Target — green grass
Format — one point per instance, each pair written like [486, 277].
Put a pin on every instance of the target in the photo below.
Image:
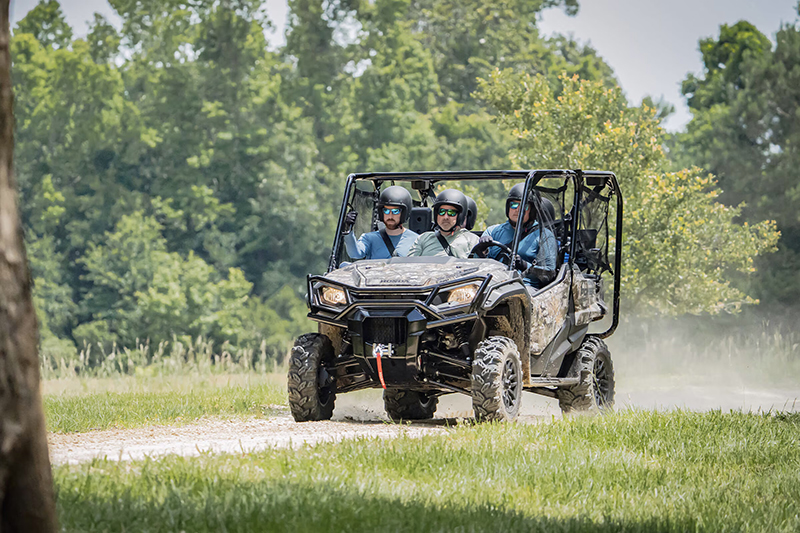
[631, 471]
[81, 405]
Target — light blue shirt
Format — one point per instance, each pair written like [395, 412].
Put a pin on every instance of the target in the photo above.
[371, 245]
[529, 247]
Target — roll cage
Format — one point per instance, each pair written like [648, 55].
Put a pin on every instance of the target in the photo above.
[588, 186]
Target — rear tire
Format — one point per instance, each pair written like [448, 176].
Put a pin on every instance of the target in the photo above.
[409, 405]
[595, 392]
[311, 388]
[496, 380]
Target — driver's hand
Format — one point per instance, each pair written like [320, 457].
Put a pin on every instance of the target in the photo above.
[520, 263]
[485, 238]
[349, 221]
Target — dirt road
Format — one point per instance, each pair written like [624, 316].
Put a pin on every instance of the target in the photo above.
[361, 415]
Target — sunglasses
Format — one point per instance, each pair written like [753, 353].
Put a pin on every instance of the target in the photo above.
[515, 205]
[391, 210]
[448, 212]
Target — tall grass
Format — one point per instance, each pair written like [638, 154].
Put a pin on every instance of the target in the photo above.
[255, 396]
[182, 355]
[763, 349]
[631, 471]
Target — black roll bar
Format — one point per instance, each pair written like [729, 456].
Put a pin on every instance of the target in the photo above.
[532, 178]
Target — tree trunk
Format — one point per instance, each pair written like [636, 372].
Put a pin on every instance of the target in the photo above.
[26, 483]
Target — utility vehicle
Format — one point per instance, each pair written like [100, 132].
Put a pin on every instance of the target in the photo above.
[423, 327]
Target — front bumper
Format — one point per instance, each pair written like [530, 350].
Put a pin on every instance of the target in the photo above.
[389, 322]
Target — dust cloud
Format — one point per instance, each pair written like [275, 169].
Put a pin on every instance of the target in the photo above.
[741, 362]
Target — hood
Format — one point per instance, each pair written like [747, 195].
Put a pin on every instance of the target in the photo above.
[416, 271]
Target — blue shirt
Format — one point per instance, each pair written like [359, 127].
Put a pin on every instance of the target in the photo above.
[371, 245]
[528, 247]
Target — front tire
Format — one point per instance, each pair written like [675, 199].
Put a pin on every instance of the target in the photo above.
[409, 405]
[595, 392]
[311, 388]
[496, 380]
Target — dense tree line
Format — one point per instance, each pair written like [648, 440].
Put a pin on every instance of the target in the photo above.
[745, 130]
[179, 177]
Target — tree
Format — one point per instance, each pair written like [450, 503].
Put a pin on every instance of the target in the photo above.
[139, 290]
[26, 485]
[47, 24]
[680, 245]
[744, 130]
[468, 38]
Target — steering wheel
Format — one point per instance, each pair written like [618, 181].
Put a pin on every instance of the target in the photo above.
[479, 250]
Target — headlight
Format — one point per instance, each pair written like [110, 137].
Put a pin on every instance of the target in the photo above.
[462, 295]
[333, 296]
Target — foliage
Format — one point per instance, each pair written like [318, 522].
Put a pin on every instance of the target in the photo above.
[631, 471]
[680, 245]
[502, 34]
[179, 179]
[744, 130]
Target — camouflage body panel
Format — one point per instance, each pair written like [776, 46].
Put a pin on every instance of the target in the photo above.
[416, 272]
[588, 305]
[548, 314]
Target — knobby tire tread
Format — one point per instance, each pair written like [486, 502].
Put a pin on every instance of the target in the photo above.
[580, 398]
[308, 353]
[487, 386]
[408, 405]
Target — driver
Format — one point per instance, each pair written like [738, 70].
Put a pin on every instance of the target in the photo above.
[450, 236]
[532, 249]
[394, 206]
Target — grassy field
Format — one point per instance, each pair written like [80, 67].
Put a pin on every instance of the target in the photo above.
[74, 405]
[631, 471]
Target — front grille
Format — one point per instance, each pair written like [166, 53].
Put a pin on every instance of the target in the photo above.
[385, 330]
[391, 296]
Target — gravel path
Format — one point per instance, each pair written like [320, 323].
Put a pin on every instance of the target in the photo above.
[358, 417]
[361, 416]
[215, 435]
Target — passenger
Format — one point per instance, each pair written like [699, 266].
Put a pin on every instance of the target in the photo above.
[472, 213]
[532, 249]
[450, 236]
[394, 206]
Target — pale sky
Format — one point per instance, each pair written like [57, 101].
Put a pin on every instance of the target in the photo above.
[650, 44]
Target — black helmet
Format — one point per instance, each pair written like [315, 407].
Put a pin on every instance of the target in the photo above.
[548, 212]
[515, 195]
[454, 198]
[472, 213]
[395, 196]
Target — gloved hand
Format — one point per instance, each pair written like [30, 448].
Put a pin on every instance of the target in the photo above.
[520, 264]
[486, 238]
[349, 221]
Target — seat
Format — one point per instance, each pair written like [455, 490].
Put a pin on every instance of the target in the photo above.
[420, 219]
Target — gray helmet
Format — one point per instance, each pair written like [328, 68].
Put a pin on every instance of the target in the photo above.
[472, 213]
[515, 195]
[456, 199]
[395, 196]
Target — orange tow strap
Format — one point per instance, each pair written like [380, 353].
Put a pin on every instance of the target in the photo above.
[380, 366]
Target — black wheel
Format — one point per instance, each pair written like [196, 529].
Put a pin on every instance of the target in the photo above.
[496, 380]
[311, 388]
[409, 405]
[595, 392]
